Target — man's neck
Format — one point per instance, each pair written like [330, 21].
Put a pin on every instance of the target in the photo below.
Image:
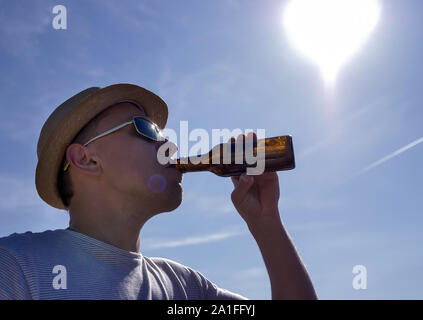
[119, 239]
[119, 228]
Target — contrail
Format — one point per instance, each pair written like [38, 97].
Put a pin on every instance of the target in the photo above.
[388, 157]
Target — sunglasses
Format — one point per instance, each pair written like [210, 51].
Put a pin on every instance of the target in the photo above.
[143, 126]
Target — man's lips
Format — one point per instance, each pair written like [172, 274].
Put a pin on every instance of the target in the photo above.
[168, 165]
[179, 173]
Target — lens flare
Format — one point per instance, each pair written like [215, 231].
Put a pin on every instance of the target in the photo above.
[330, 31]
[156, 183]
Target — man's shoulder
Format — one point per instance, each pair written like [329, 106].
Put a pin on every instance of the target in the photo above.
[164, 263]
[201, 287]
[29, 241]
[171, 267]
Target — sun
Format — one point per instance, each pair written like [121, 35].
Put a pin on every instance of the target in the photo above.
[330, 31]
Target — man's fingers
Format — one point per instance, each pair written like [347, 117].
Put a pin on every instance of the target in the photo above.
[235, 179]
[242, 138]
[244, 184]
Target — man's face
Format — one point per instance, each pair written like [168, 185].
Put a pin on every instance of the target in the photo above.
[129, 163]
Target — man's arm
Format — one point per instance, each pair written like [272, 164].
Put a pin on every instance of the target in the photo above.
[288, 276]
[256, 200]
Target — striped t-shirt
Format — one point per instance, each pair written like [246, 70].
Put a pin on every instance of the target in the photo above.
[65, 264]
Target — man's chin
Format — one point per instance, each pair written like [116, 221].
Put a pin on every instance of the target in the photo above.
[173, 198]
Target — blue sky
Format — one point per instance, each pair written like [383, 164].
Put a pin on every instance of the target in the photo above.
[229, 64]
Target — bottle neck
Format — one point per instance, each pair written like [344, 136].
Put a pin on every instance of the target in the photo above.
[192, 164]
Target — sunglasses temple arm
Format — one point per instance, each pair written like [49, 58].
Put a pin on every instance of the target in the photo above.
[108, 132]
[100, 136]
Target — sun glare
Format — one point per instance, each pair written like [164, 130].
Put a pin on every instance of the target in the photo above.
[330, 31]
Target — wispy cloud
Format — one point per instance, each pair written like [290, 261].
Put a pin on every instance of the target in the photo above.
[310, 202]
[17, 193]
[137, 15]
[314, 226]
[215, 81]
[25, 127]
[201, 201]
[249, 273]
[370, 119]
[340, 127]
[22, 210]
[20, 25]
[207, 238]
[234, 4]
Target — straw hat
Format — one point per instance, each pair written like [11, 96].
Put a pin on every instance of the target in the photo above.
[70, 117]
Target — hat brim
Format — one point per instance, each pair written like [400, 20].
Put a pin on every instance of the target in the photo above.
[71, 118]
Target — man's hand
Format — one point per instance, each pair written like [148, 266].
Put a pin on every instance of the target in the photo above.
[256, 200]
[256, 196]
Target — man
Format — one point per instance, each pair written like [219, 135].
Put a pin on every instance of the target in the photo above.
[97, 159]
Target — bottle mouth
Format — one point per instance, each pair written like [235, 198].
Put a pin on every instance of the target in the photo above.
[172, 162]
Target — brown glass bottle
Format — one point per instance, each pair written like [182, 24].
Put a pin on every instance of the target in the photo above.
[276, 152]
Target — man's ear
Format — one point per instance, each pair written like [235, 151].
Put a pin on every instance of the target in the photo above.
[81, 159]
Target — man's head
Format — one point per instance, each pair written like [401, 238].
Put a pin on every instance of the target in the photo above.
[120, 169]
[122, 165]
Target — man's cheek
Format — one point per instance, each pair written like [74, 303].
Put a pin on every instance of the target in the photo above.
[156, 183]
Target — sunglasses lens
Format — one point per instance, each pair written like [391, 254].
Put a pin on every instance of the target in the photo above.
[148, 129]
